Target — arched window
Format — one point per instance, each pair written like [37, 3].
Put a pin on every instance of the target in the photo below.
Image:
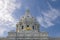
[27, 16]
[27, 25]
[22, 27]
[33, 27]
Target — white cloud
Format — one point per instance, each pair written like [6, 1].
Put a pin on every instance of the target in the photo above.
[7, 7]
[48, 17]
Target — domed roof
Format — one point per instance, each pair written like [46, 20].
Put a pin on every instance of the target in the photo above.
[28, 22]
[27, 17]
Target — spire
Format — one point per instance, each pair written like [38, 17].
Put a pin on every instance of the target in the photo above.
[27, 12]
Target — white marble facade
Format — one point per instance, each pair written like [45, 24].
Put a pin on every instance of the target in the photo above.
[27, 29]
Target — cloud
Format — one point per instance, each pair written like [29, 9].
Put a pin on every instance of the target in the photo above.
[49, 16]
[7, 7]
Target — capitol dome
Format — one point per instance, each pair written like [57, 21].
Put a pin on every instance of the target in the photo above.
[28, 22]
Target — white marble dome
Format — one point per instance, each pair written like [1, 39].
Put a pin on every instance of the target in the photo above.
[28, 20]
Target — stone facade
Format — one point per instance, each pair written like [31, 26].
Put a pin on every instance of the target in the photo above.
[28, 35]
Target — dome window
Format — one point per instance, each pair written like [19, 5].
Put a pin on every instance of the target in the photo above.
[22, 27]
[33, 27]
[27, 16]
[27, 25]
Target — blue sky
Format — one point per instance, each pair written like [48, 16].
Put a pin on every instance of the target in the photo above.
[47, 13]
